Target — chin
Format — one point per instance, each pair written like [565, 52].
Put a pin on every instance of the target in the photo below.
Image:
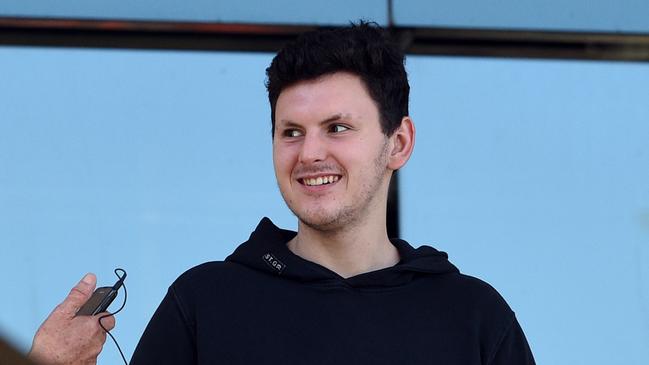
[326, 221]
[320, 224]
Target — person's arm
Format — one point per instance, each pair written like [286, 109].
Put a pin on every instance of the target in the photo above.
[513, 348]
[170, 336]
[64, 339]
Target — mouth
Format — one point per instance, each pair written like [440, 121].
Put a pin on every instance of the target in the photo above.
[319, 180]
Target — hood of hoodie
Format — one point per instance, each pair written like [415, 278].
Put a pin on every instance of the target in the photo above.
[266, 251]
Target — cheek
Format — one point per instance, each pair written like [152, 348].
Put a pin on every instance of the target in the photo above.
[363, 161]
[283, 161]
[350, 157]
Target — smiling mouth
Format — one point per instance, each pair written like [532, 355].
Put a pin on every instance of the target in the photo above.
[320, 180]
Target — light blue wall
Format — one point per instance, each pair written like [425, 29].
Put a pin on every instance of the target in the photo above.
[150, 161]
[534, 176]
[549, 15]
[531, 174]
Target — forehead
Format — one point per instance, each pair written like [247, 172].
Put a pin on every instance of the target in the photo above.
[340, 93]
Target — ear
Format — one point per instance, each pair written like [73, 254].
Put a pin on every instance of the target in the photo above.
[402, 144]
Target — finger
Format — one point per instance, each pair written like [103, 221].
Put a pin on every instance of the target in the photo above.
[99, 335]
[78, 295]
[107, 320]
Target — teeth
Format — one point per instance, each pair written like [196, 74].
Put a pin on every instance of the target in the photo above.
[321, 180]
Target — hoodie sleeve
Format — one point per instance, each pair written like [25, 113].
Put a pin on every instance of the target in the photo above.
[169, 336]
[513, 348]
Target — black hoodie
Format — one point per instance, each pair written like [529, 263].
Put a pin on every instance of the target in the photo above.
[266, 305]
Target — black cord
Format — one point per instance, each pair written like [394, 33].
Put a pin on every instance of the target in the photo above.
[121, 281]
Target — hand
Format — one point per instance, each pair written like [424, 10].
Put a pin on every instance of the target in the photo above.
[64, 339]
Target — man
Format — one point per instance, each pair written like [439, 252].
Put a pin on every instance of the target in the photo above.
[337, 290]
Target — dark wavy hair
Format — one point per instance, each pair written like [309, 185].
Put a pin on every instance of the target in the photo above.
[363, 49]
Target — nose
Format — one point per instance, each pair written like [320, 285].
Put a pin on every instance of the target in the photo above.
[313, 149]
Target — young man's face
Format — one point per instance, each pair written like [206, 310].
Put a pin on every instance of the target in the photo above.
[330, 155]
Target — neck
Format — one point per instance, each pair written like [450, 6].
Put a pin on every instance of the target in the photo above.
[348, 251]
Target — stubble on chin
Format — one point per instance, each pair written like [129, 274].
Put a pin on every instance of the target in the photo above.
[334, 222]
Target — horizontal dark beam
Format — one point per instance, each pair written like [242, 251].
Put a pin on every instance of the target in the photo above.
[146, 35]
[528, 44]
[269, 38]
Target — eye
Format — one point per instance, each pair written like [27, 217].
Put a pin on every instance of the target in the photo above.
[337, 128]
[292, 133]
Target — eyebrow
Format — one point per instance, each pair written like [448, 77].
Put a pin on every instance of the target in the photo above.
[333, 118]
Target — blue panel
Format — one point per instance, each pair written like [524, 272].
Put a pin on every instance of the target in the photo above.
[534, 176]
[150, 161]
[556, 15]
[244, 11]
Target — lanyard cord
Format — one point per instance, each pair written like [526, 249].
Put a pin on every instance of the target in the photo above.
[119, 283]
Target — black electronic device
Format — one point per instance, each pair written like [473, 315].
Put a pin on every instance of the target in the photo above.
[101, 299]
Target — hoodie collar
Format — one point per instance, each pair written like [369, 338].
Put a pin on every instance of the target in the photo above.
[266, 251]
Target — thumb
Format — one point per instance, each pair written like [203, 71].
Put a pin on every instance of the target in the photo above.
[78, 295]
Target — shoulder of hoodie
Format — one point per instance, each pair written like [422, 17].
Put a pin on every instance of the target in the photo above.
[208, 275]
[471, 286]
[478, 300]
[466, 288]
